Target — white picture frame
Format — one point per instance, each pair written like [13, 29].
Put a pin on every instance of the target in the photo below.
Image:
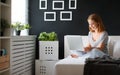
[41, 5]
[75, 4]
[50, 13]
[66, 12]
[57, 8]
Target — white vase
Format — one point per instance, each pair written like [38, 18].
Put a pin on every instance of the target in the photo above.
[13, 32]
[24, 32]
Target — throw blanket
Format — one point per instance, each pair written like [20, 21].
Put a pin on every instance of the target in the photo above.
[102, 66]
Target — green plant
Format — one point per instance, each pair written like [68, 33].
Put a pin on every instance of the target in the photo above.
[4, 24]
[26, 26]
[17, 26]
[43, 36]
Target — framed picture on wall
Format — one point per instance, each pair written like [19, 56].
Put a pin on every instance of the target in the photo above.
[58, 5]
[49, 16]
[72, 4]
[66, 15]
[42, 4]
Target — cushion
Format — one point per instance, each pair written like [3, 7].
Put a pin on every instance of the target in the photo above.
[110, 46]
[116, 50]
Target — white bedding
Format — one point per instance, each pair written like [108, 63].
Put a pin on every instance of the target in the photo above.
[69, 66]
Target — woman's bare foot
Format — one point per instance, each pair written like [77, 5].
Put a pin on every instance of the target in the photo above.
[74, 56]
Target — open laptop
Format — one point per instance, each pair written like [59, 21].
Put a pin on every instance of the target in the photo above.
[75, 42]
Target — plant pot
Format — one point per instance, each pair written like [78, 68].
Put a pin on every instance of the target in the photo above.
[18, 32]
[24, 32]
[13, 32]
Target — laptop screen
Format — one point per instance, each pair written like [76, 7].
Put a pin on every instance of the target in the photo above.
[75, 42]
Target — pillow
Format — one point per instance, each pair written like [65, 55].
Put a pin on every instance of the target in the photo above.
[110, 46]
[116, 50]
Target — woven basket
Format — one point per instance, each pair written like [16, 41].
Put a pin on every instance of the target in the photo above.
[4, 62]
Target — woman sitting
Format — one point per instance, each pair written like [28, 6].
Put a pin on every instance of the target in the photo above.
[98, 38]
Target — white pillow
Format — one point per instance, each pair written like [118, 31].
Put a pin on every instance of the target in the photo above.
[110, 46]
[116, 50]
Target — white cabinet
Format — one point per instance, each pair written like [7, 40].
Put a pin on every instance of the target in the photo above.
[48, 50]
[44, 67]
[48, 56]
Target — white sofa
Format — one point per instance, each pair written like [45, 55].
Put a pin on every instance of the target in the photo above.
[73, 66]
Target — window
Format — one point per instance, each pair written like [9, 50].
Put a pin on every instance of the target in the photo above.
[19, 11]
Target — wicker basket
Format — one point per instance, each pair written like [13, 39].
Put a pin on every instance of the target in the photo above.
[4, 62]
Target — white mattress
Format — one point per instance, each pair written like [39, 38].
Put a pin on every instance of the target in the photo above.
[69, 66]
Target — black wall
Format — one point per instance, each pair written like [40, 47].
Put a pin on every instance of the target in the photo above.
[107, 9]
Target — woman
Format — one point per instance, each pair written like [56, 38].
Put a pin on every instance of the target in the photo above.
[97, 36]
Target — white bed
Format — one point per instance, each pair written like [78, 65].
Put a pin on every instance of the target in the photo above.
[75, 66]
[69, 66]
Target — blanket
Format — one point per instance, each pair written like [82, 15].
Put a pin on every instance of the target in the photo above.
[102, 66]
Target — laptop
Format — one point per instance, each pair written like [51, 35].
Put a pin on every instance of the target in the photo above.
[75, 42]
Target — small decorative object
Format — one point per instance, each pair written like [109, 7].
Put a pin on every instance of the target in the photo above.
[17, 27]
[48, 46]
[25, 30]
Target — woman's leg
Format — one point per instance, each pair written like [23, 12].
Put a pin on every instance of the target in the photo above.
[93, 54]
[96, 53]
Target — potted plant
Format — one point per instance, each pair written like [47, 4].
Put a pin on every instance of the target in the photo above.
[43, 36]
[48, 46]
[17, 27]
[4, 25]
[25, 30]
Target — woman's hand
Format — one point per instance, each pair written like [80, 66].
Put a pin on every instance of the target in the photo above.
[74, 56]
[87, 49]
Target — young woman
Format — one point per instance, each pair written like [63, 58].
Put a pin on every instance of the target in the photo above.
[98, 38]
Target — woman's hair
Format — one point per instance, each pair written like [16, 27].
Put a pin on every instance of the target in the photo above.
[98, 20]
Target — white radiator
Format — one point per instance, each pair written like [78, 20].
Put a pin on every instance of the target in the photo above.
[22, 55]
